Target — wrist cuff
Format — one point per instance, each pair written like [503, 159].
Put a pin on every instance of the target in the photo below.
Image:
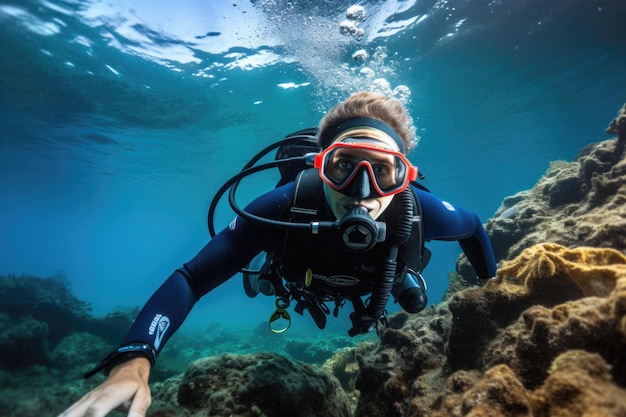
[121, 355]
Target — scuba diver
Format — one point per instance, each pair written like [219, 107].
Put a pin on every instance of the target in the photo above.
[346, 224]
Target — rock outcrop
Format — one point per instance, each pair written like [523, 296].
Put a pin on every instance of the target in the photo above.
[579, 203]
[38, 314]
[510, 348]
[255, 385]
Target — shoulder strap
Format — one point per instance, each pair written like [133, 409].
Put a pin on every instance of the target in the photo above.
[307, 199]
[307, 196]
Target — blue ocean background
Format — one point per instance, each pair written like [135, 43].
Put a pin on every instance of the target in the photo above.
[120, 120]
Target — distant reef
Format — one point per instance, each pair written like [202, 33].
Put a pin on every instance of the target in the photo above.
[36, 315]
[545, 337]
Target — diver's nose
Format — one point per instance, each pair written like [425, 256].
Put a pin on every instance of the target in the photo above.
[361, 185]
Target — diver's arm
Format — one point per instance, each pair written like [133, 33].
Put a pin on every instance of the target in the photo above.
[170, 304]
[443, 221]
[219, 260]
[479, 252]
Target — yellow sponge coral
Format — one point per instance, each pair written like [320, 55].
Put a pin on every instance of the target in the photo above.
[593, 270]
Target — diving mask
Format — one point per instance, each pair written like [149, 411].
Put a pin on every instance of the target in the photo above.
[361, 168]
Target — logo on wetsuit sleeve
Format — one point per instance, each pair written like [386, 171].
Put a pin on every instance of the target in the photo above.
[160, 324]
[448, 206]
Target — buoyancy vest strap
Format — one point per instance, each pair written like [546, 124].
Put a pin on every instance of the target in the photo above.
[307, 199]
[307, 196]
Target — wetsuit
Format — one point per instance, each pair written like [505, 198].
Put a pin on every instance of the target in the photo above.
[333, 268]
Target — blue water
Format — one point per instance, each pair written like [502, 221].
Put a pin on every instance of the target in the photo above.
[120, 120]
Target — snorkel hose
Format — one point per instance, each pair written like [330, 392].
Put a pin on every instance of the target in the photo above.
[399, 225]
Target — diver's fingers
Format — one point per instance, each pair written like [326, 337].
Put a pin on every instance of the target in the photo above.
[92, 404]
[100, 401]
[126, 388]
[76, 410]
[107, 402]
[140, 402]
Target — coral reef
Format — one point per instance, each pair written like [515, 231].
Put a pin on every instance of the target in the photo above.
[315, 353]
[344, 366]
[500, 350]
[552, 261]
[543, 275]
[41, 313]
[593, 323]
[393, 373]
[22, 341]
[579, 384]
[618, 125]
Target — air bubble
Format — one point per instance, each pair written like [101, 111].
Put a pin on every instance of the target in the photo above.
[360, 56]
[367, 72]
[347, 27]
[357, 13]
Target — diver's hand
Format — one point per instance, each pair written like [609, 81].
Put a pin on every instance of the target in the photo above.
[125, 389]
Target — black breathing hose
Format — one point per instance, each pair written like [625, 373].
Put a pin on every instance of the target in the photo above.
[251, 168]
[399, 225]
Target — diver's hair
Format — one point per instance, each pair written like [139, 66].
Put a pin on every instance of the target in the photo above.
[373, 105]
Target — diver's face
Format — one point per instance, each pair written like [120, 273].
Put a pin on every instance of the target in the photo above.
[341, 203]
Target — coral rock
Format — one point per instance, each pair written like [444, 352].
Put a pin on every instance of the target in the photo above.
[497, 393]
[540, 335]
[401, 369]
[22, 342]
[618, 125]
[507, 347]
[535, 310]
[593, 324]
[262, 384]
[579, 385]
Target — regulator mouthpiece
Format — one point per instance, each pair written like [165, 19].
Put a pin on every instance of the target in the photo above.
[359, 231]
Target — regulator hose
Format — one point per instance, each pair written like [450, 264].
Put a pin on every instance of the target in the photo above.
[399, 221]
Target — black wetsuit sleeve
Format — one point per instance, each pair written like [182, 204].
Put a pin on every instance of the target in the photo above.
[219, 260]
[444, 221]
